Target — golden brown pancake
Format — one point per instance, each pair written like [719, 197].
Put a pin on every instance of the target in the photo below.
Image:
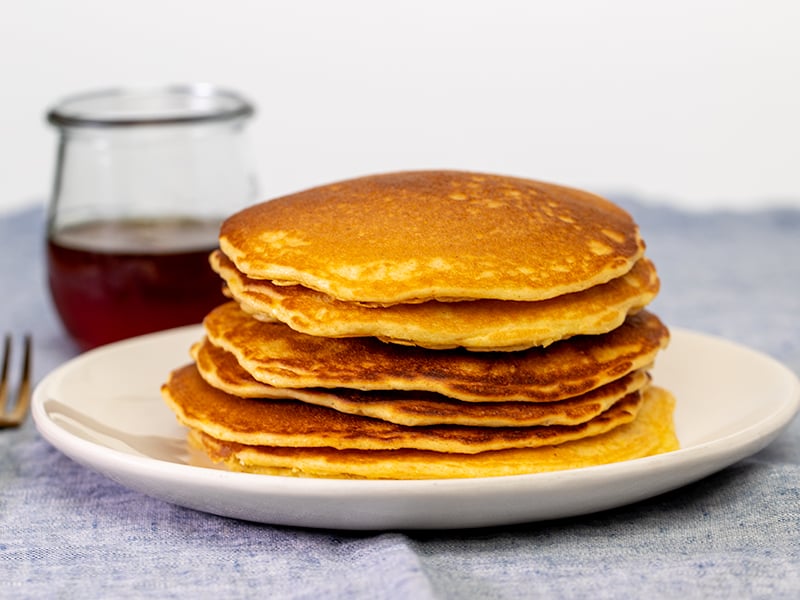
[279, 356]
[477, 325]
[264, 422]
[652, 432]
[414, 236]
[220, 370]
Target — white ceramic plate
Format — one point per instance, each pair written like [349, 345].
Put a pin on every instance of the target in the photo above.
[104, 410]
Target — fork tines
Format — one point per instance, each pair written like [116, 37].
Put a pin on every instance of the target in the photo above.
[13, 413]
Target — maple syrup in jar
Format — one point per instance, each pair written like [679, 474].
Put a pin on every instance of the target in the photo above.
[111, 280]
[143, 180]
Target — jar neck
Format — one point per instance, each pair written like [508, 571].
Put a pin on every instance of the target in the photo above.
[135, 108]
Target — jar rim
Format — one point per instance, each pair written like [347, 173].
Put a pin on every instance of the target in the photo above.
[167, 105]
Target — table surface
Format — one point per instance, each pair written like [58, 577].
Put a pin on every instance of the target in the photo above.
[66, 531]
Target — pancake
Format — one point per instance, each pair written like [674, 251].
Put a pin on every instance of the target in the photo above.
[477, 325]
[279, 356]
[264, 422]
[652, 432]
[423, 235]
[428, 324]
[220, 370]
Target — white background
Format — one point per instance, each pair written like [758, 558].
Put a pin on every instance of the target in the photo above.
[692, 102]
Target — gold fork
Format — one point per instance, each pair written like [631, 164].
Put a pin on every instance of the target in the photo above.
[13, 415]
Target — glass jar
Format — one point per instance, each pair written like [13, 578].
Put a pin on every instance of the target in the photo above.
[143, 179]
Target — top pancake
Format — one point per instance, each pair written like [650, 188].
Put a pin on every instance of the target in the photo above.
[416, 236]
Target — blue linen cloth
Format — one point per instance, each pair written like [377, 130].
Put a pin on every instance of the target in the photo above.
[67, 532]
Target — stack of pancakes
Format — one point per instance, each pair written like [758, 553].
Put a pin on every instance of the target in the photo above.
[427, 325]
